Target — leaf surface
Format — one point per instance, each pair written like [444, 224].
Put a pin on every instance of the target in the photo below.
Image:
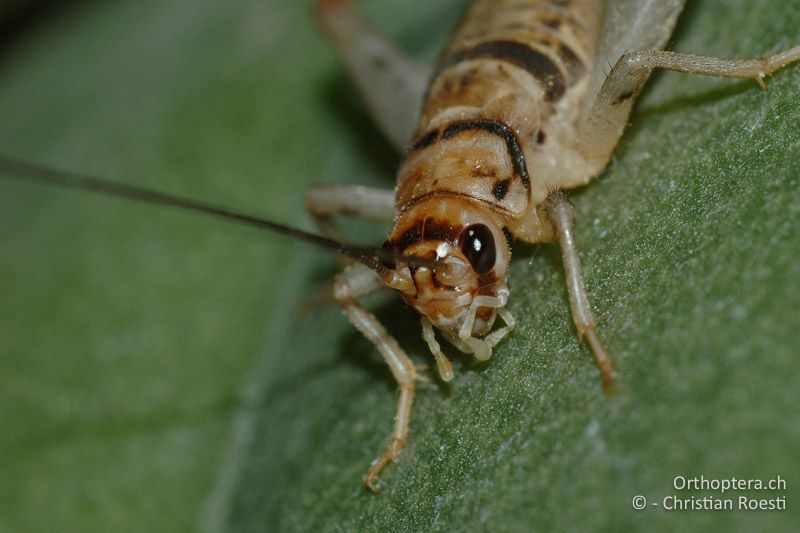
[163, 371]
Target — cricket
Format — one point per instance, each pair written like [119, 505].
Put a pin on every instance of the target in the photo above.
[527, 101]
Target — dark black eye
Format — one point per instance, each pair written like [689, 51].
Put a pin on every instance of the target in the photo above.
[477, 245]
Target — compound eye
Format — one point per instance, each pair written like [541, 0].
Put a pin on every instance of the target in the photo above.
[477, 245]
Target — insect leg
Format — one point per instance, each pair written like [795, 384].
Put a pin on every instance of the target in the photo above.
[608, 115]
[442, 362]
[562, 217]
[391, 84]
[327, 201]
[355, 281]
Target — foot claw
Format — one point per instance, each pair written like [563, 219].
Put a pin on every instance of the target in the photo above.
[420, 373]
[603, 361]
[369, 483]
[371, 477]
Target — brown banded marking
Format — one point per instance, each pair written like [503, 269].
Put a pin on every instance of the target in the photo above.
[425, 141]
[574, 67]
[503, 130]
[538, 64]
[547, 39]
[547, 18]
[425, 229]
[491, 182]
[473, 83]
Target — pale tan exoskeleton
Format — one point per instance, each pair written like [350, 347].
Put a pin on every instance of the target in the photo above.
[521, 106]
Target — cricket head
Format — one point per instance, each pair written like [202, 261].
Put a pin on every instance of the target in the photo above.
[466, 283]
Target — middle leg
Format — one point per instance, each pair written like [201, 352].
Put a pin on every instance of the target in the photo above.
[562, 216]
[327, 201]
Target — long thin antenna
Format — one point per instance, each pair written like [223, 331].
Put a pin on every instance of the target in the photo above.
[375, 259]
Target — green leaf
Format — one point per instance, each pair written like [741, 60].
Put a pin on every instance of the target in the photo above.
[159, 370]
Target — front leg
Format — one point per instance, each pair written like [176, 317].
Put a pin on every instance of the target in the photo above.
[355, 281]
[391, 84]
[603, 123]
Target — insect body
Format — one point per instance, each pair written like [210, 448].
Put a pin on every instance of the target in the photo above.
[517, 109]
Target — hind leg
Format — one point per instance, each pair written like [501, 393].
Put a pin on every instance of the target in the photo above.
[391, 84]
[607, 117]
